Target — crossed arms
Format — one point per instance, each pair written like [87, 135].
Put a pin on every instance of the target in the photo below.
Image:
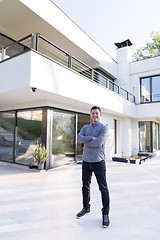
[92, 141]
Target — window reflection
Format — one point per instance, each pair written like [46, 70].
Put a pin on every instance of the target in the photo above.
[29, 131]
[156, 88]
[63, 139]
[6, 136]
[145, 89]
[155, 136]
[150, 89]
[145, 138]
[148, 136]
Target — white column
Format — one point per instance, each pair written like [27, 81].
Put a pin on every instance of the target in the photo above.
[126, 138]
[135, 137]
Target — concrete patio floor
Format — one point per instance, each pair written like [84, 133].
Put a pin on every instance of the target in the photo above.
[43, 205]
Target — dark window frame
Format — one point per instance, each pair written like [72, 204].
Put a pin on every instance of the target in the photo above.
[151, 134]
[115, 136]
[46, 128]
[151, 88]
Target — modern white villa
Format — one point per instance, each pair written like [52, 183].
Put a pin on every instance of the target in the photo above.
[52, 73]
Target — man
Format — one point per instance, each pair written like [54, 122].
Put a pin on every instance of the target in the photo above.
[93, 136]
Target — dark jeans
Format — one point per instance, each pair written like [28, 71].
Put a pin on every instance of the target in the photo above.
[99, 169]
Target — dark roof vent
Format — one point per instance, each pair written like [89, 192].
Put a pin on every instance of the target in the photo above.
[124, 44]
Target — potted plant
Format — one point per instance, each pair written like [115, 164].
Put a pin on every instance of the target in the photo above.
[40, 155]
[135, 159]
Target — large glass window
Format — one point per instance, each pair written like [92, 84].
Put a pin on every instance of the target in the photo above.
[145, 90]
[155, 136]
[29, 131]
[150, 89]
[7, 120]
[145, 137]
[148, 136]
[63, 138]
[156, 88]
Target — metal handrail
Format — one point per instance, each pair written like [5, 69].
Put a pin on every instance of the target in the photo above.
[46, 40]
[74, 64]
[60, 49]
[88, 71]
[22, 39]
[13, 48]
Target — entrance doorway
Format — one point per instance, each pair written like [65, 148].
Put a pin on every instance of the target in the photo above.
[65, 126]
[63, 138]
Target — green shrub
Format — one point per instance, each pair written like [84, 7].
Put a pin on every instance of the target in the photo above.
[40, 154]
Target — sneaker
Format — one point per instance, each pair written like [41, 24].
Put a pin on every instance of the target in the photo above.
[105, 221]
[82, 212]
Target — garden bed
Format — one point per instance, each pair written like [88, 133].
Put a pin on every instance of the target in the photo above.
[132, 159]
[120, 159]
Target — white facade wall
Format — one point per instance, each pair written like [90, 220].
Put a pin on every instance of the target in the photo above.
[15, 73]
[108, 121]
[57, 86]
[140, 69]
[60, 87]
[127, 136]
[56, 83]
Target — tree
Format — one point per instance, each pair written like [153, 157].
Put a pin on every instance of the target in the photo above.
[152, 49]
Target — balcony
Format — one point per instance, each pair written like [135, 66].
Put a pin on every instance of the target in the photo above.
[58, 55]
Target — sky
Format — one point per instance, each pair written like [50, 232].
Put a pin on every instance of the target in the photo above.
[112, 21]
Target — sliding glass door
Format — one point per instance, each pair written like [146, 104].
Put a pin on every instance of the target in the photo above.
[144, 137]
[148, 136]
[63, 138]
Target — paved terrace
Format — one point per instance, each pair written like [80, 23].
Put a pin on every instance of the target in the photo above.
[42, 205]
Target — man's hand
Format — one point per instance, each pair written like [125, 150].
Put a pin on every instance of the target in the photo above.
[94, 138]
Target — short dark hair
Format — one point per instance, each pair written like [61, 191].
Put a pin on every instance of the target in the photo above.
[96, 107]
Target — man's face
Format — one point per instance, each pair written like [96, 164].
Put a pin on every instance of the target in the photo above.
[95, 115]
